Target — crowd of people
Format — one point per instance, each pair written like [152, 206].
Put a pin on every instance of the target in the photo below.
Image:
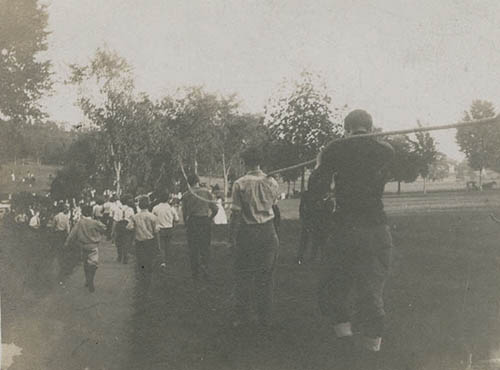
[146, 222]
[350, 234]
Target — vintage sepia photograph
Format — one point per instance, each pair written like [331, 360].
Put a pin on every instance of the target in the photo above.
[249, 185]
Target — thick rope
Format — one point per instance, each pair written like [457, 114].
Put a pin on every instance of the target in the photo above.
[396, 132]
[191, 190]
[483, 121]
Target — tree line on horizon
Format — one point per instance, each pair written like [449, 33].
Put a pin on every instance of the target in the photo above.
[130, 142]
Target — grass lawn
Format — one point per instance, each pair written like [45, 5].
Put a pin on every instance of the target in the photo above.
[434, 321]
[442, 299]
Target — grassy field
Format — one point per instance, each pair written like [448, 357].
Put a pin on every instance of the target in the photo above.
[443, 301]
[442, 305]
[42, 172]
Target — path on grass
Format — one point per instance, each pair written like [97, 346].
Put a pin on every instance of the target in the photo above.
[55, 327]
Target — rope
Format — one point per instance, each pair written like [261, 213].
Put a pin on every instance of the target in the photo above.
[191, 190]
[483, 121]
[396, 132]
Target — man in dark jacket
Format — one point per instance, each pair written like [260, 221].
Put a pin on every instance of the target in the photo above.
[315, 214]
[359, 252]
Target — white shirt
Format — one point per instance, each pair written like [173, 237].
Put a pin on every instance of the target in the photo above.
[128, 213]
[61, 222]
[107, 207]
[166, 215]
[35, 221]
[98, 211]
[116, 211]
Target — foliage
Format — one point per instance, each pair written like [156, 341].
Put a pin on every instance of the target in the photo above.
[405, 166]
[24, 76]
[44, 142]
[69, 182]
[302, 118]
[280, 154]
[23, 200]
[440, 168]
[425, 149]
[464, 171]
[12, 143]
[105, 89]
[480, 144]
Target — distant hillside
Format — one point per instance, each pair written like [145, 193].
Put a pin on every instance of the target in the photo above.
[42, 177]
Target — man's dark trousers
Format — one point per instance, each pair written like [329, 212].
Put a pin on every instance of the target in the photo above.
[256, 253]
[124, 239]
[199, 234]
[165, 235]
[145, 252]
[356, 258]
[316, 235]
[68, 257]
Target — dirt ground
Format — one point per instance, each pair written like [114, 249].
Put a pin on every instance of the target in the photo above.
[442, 303]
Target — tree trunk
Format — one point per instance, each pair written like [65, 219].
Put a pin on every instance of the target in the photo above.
[195, 161]
[425, 182]
[288, 192]
[225, 174]
[399, 187]
[481, 179]
[303, 180]
[118, 172]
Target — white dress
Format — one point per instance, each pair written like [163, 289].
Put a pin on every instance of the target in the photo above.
[220, 218]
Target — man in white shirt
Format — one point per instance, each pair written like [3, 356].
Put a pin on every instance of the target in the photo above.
[167, 217]
[62, 228]
[116, 216]
[61, 223]
[123, 237]
[98, 209]
[106, 211]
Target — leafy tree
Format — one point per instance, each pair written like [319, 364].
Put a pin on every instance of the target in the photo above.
[464, 171]
[211, 133]
[12, 142]
[235, 133]
[81, 167]
[105, 88]
[480, 144]
[69, 182]
[46, 142]
[197, 113]
[425, 149]
[280, 154]
[440, 169]
[302, 118]
[405, 166]
[24, 75]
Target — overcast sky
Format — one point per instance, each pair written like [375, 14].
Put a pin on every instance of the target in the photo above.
[400, 60]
